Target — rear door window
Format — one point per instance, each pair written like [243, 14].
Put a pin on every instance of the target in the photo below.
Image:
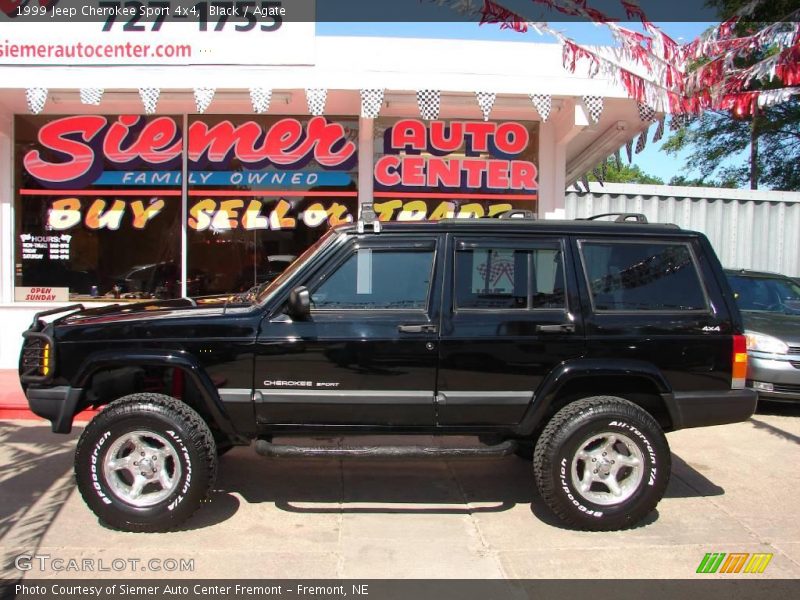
[509, 276]
[634, 276]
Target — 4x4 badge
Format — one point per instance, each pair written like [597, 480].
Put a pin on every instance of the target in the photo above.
[710, 328]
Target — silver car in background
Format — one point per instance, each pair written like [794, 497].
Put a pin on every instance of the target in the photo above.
[770, 307]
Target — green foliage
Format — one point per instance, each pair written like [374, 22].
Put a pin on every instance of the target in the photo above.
[772, 10]
[627, 174]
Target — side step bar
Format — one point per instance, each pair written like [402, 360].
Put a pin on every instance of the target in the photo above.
[268, 449]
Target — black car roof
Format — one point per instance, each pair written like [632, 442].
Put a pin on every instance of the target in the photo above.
[490, 225]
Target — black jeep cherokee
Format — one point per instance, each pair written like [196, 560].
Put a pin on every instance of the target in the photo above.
[578, 343]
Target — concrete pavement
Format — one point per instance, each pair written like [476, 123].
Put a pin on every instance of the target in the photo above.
[732, 490]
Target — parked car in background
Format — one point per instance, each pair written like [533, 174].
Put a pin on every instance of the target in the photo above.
[770, 307]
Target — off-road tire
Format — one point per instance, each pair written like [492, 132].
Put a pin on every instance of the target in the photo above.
[560, 442]
[172, 420]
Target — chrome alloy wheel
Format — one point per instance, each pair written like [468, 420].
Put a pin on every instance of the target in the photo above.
[607, 469]
[142, 468]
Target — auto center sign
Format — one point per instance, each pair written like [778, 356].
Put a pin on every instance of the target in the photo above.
[469, 156]
[445, 169]
[156, 32]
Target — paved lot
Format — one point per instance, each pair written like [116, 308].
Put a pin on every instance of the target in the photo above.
[733, 489]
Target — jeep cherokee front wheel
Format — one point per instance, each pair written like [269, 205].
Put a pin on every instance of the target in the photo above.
[145, 463]
[602, 463]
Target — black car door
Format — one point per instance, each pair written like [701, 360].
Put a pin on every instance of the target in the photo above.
[368, 353]
[510, 316]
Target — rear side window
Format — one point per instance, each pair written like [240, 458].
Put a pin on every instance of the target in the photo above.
[508, 278]
[631, 276]
[378, 279]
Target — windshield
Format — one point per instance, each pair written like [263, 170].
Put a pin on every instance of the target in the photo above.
[278, 281]
[766, 294]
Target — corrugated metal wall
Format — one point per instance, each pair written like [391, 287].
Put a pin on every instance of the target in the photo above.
[756, 230]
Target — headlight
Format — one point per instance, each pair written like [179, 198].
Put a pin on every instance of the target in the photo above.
[765, 343]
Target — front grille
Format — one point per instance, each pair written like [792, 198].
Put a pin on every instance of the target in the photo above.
[38, 359]
[795, 363]
[786, 387]
[794, 349]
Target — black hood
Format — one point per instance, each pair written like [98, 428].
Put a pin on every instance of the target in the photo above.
[151, 309]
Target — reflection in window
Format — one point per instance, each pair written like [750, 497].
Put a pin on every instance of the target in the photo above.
[633, 276]
[767, 293]
[109, 231]
[378, 279]
[502, 279]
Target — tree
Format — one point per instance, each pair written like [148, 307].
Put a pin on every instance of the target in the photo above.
[758, 147]
[627, 174]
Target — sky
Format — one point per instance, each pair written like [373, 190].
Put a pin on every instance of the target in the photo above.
[652, 159]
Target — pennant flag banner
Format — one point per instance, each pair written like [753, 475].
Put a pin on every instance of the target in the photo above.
[429, 102]
[260, 99]
[646, 113]
[641, 142]
[149, 98]
[629, 150]
[618, 159]
[316, 98]
[585, 182]
[36, 98]
[659, 130]
[371, 103]
[543, 104]
[486, 102]
[598, 175]
[203, 98]
[665, 77]
[91, 96]
[594, 104]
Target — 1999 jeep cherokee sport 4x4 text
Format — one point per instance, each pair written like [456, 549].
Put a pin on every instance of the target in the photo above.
[577, 342]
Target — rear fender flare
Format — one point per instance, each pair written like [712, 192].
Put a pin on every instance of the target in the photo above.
[572, 370]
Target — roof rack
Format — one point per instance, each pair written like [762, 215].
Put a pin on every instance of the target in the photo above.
[368, 218]
[518, 213]
[621, 217]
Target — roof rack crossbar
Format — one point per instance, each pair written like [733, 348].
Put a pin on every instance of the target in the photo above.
[621, 217]
[518, 213]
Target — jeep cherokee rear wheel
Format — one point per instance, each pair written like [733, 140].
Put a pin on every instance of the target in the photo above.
[145, 463]
[602, 463]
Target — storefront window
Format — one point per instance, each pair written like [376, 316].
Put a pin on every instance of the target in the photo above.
[444, 169]
[98, 198]
[97, 207]
[262, 190]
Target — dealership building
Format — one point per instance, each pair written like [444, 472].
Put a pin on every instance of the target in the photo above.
[169, 175]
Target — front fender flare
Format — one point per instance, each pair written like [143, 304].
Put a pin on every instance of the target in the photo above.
[153, 358]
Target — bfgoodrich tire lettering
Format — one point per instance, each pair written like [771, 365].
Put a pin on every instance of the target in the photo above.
[164, 488]
[612, 494]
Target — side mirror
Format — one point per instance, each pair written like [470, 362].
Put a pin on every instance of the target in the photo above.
[299, 306]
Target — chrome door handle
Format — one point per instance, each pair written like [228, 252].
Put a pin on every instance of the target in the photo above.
[562, 328]
[417, 328]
